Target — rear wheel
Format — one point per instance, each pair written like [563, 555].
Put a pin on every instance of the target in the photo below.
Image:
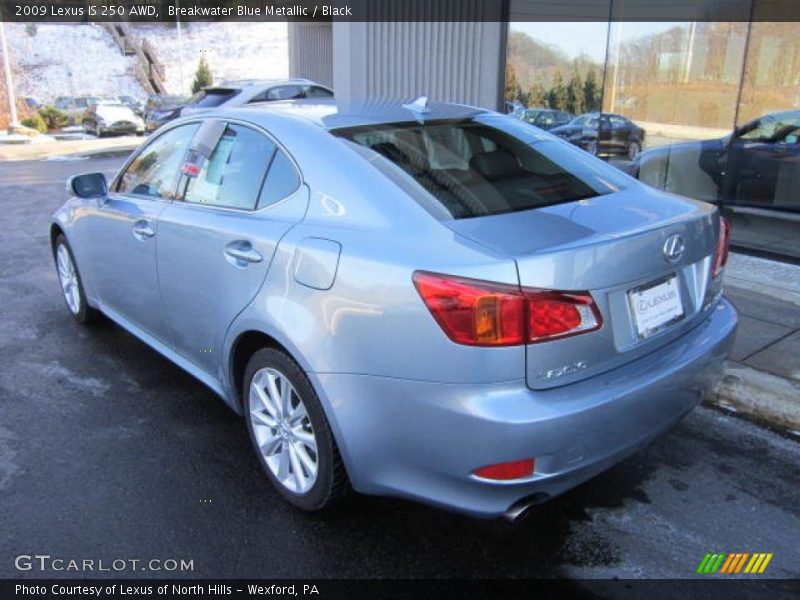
[71, 285]
[290, 433]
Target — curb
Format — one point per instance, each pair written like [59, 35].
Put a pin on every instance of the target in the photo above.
[768, 398]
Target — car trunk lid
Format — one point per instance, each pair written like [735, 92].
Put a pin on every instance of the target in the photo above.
[612, 246]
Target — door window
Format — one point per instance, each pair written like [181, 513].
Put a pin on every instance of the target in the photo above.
[617, 122]
[154, 172]
[234, 173]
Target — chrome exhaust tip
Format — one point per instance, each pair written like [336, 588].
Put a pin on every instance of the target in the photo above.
[522, 508]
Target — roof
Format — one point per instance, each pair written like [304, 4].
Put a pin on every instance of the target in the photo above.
[331, 113]
[244, 83]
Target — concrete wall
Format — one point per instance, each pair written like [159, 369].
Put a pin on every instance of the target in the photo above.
[310, 52]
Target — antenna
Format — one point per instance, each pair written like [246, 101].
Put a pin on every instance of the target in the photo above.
[419, 106]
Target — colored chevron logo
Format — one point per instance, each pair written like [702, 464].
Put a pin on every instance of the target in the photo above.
[734, 562]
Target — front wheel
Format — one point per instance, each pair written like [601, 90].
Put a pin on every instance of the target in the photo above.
[71, 284]
[633, 150]
[290, 432]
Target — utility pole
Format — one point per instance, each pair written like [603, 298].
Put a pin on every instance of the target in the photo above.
[180, 48]
[12, 103]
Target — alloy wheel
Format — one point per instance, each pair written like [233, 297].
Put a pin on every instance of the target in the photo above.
[283, 431]
[68, 277]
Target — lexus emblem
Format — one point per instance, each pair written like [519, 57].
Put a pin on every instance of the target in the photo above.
[673, 248]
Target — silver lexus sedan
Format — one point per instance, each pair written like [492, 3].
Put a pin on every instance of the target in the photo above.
[419, 299]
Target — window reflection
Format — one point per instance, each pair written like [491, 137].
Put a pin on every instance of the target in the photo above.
[719, 103]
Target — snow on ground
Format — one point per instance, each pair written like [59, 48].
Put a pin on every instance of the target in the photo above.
[69, 60]
[82, 59]
[232, 50]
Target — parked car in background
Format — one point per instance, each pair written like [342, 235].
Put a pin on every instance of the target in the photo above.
[32, 102]
[161, 109]
[75, 107]
[425, 300]
[543, 118]
[512, 106]
[111, 117]
[603, 134]
[761, 159]
[135, 105]
[250, 91]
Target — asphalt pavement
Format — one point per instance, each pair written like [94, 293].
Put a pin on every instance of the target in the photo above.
[108, 451]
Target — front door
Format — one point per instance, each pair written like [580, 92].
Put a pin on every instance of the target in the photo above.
[121, 232]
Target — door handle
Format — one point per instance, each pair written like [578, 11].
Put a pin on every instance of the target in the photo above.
[240, 253]
[142, 230]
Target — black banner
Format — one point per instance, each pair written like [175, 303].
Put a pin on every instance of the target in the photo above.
[326, 589]
[72, 11]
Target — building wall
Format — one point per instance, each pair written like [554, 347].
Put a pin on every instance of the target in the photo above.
[448, 61]
[310, 51]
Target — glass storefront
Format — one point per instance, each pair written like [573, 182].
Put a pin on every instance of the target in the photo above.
[710, 110]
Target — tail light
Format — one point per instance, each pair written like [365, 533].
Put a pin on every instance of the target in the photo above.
[480, 313]
[722, 248]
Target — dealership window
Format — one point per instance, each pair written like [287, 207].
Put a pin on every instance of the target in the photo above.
[719, 102]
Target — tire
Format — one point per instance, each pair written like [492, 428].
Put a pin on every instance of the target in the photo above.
[592, 148]
[633, 150]
[280, 443]
[71, 284]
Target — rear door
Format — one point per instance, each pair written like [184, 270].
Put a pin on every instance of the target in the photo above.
[240, 194]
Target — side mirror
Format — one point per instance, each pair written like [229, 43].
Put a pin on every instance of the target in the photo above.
[88, 185]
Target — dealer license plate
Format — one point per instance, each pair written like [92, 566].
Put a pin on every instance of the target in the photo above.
[656, 306]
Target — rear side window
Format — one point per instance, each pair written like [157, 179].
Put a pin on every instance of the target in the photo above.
[154, 172]
[478, 167]
[212, 97]
[314, 91]
[282, 180]
[233, 174]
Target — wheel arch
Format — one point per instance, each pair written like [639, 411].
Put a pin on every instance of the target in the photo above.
[55, 231]
[246, 343]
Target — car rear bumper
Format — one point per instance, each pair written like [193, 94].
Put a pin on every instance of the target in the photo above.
[422, 440]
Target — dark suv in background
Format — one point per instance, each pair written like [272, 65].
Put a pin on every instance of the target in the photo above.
[160, 109]
[603, 134]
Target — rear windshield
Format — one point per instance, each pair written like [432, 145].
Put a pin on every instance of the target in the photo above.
[213, 97]
[486, 165]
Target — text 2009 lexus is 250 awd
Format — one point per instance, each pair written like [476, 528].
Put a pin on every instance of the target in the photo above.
[424, 300]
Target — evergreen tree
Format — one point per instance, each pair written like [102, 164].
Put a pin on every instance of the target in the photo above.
[592, 95]
[558, 93]
[202, 77]
[537, 95]
[511, 83]
[575, 97]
